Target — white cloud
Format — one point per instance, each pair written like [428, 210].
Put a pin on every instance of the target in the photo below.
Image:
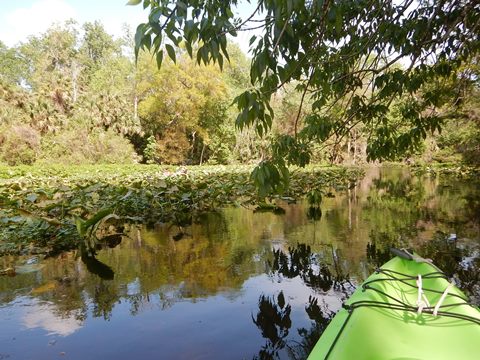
[114, 25]
[23, 22]
[44, 316]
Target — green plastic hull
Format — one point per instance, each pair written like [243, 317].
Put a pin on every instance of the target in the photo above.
[390, 332]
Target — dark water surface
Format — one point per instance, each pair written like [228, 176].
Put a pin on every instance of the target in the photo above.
[238, 285]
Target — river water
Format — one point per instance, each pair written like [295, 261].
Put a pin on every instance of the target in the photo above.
[239, 284]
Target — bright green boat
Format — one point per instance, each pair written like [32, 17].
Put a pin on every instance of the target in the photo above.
[407, 309]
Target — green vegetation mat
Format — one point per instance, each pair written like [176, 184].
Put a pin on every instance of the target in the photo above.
[45, 210]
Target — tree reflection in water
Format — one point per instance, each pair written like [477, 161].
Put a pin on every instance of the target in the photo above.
[320, 317]
[300, 261]
[94, 266]
[273, 318]
[104, 300]
[379, 255]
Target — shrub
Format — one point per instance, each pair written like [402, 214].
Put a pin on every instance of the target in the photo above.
[83, 146]
[19, 144]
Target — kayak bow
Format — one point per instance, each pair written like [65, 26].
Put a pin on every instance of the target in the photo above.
[407, 309]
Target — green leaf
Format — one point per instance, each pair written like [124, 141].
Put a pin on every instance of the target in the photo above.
[171, 52]
[188, 46]
[220, 61]
[147, 41]
[199, 57]
[159, 58]
[155, 15]
[133, 2]
[182, 5]
[138, 38]
[338, 22]
[157, 42]
[80, 226]
[97, 217]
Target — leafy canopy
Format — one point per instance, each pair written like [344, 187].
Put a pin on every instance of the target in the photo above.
[354, 56]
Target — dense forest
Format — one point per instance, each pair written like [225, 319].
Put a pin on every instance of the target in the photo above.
[77, 95]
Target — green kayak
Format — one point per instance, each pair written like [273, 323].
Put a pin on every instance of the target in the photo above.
[407, 309]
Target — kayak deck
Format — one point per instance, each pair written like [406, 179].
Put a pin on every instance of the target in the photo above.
[381, 319]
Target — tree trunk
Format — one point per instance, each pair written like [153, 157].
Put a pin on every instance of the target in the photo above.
[348, 146]
[201, 154]
[349, 195]
[74, 82]
[354, 146]
[135, 107]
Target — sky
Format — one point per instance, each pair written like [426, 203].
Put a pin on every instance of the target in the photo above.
[22, 18]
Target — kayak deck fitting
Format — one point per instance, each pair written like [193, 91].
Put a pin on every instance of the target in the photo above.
[407, 309]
